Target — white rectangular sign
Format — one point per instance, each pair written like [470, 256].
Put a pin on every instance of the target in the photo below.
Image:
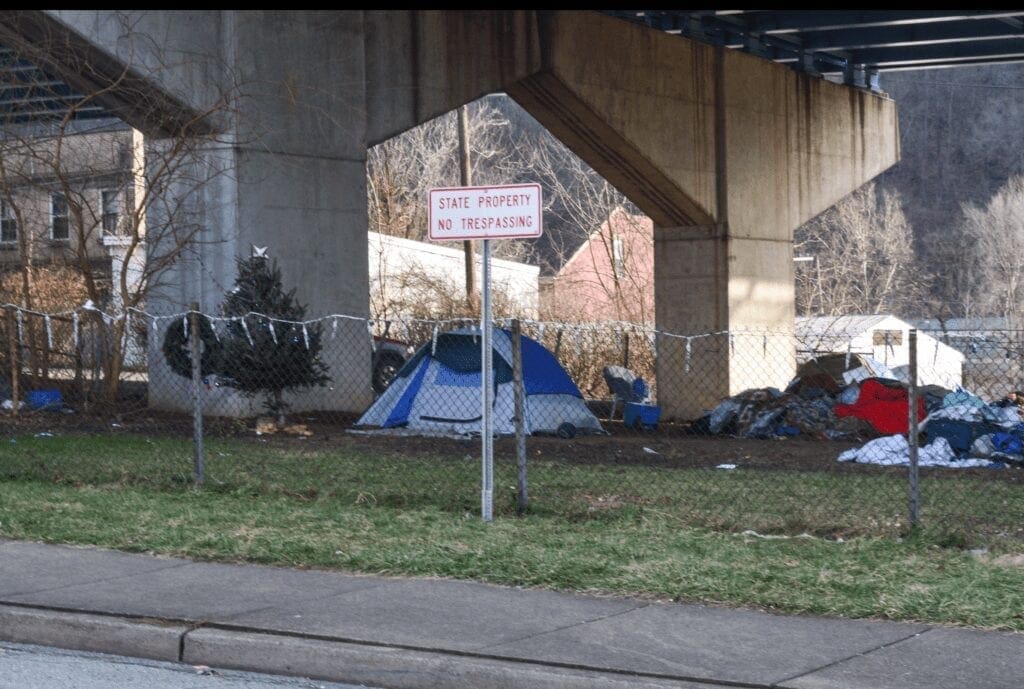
[503, 212]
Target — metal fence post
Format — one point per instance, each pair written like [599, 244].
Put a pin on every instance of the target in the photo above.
[912, 436]
[194, 343]
[520, 409]
[80, 362]
[12, 342]
[96, 352]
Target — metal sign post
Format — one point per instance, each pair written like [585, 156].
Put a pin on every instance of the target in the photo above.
[466, 213]
[487, 390]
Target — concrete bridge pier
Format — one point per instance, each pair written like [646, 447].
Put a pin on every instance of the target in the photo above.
[726, 152]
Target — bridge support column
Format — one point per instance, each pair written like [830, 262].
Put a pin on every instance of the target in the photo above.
[726, 152]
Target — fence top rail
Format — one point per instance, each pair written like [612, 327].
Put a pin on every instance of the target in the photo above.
[620, 328]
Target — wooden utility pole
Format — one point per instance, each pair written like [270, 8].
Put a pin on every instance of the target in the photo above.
[465, 180]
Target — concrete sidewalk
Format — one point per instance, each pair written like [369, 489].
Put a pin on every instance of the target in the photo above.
[412, 633]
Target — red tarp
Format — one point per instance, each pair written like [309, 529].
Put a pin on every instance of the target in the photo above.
[885, 408]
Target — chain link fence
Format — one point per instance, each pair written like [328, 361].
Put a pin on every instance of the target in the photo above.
[778, 432]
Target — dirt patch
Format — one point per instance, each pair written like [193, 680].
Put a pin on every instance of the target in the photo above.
[1009, 560]
[669, 446]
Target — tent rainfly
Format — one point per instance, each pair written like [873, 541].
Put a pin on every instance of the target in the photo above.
[438, 390]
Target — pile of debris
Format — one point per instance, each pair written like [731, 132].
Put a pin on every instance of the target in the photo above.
[959, 429]
[826, 400]
[769, 412]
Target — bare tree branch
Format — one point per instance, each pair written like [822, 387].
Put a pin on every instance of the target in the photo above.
[864, 260]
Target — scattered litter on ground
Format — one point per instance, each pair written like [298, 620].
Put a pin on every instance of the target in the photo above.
[772, 537]
[726, 466]
[298, 429]
[268, 426]
[404, 432]
[650, 451]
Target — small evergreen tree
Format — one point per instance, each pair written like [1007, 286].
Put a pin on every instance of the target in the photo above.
[267, 350]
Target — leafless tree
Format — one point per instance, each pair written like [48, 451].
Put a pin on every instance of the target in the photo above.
[953, 292]
[416, 291]
[578, 201]
[993, 244]
[589, 208]
[401, 170]
[99, 198]
[864, 260]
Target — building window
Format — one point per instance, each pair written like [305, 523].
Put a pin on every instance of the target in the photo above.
[887, 338]
[8, 224]
[59, 217]
[618, 262]
[110, 205]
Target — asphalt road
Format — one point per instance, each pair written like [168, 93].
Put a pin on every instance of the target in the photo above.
[38, 667]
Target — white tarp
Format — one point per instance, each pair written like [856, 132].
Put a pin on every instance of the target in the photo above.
[894, 450]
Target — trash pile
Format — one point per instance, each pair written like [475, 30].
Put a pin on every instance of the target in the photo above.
[814, 406]
[976, 429]
[959, 429]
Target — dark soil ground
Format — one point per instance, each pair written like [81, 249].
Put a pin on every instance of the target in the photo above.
[669, 446]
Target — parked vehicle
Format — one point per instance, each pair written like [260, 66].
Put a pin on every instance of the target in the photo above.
[389, 355]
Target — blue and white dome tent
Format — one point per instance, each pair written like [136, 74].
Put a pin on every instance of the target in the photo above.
[438, 390]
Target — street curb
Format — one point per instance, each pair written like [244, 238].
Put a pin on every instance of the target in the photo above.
[86, 632]
[396, 668]
[388, 667]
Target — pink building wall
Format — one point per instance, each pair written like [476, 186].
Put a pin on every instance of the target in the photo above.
[591, 287]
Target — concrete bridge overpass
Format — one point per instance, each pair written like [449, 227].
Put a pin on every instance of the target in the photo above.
[727, 151]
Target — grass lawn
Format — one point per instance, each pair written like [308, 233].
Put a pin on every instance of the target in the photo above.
[668, 532]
